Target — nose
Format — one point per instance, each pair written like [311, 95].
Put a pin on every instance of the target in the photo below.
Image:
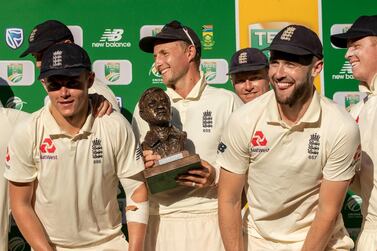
[157, 62]
[349, 53]
[279, 72]
[248, 85]
[64, 92]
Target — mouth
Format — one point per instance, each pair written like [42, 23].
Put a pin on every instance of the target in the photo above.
[163, 71]
[283, 85]
[66, 103]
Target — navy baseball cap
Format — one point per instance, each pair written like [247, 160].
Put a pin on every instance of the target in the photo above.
[297, 40]
[64, 60]
[173, 31]
[247, 59]
[46, 34]
[364, 26]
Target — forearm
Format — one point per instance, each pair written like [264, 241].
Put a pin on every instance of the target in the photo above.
[31, 228]
[136, 232]
[231, 225]
[319, 233]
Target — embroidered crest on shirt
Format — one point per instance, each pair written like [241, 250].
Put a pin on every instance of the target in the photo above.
[207, 121]
[313, 146]
[97, 152]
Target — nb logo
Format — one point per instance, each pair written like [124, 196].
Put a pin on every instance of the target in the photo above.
[112, 35]
[47, 146]
[259, 139]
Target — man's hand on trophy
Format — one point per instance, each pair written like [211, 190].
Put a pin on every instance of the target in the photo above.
[202, 177]
[150, 158]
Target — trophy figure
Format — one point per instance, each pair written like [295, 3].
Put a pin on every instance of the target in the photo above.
[164, 139]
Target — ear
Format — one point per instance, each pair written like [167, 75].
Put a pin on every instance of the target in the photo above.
[191, 52]
[43, 81]
[317, 67]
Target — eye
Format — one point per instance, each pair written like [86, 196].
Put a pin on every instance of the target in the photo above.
[72, 84]
[53, 86]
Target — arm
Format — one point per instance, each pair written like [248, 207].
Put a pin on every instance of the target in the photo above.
[21, 195]
[331, 197]
[230, 190]
[137, 230]
[101, 105]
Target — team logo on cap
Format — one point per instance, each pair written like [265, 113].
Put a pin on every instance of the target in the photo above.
[313, 146]
[207, 121]
[57, 59]
[14, 37]
[97, 151]
[112, 71]
[242, 58]
[288, 33]
[32, 35]
[15, 72]
[207, 35]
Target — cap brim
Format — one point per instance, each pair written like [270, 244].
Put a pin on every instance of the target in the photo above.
[69, 72]
[246, 67]
[290, 49]
[147, 44]
[340, 40]
[38, 47]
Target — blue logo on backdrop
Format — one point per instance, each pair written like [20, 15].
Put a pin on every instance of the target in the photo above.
[14, 37]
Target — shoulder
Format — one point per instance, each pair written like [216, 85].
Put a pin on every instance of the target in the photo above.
[114, 121]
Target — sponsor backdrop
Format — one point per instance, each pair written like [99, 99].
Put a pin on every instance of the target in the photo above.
[110, 32]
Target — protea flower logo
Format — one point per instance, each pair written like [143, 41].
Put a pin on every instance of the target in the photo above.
[16, 244]
[15, 103]
[154, 71]
[14, 37]
[15, 72]
[112, 71]
[209, 70]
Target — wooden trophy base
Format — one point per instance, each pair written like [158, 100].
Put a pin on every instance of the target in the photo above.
[163, 176]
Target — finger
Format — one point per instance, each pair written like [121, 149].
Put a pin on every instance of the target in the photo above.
[147, 152]
[199, 172]
[101, 110]
[190, 184]
[152, 157]
[190, 179]
[109, 110]
[148, 164]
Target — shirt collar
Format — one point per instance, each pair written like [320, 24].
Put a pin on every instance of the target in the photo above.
[54, 129]
[312, 114]
[194, 94]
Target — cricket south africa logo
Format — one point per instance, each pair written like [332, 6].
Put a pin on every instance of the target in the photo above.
[15, 72]
[259, 142]
[14, 37]
[112, 71]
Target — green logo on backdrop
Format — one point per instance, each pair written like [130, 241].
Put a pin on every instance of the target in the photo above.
[209, 69]
[15, 72]
[112, 71]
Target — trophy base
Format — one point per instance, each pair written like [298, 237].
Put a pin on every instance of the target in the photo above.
[163, 176]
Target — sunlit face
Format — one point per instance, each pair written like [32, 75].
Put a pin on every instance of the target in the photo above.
[292, 76]
[362, 55]
[171, 61]
[155, 108]
[69, 95]
[251, 84]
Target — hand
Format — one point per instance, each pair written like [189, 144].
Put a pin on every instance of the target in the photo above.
[101, 105]
[150, 158]
[199, 178]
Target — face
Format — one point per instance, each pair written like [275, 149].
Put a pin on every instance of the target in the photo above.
[251, 84]
[38, 59]
[156, 108]
[172, 61]
[69, 95]
[362, 55]
[292, 77]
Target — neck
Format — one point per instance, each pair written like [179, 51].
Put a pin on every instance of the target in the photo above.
[72, 124]
[184, 85]
[292, 114]
[370, 82]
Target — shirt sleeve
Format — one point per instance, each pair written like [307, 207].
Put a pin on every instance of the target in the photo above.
[344, 153]
[20, 164]
[233, 150]
[129, 154]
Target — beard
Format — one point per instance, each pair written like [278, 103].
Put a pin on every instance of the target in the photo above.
[301, 92]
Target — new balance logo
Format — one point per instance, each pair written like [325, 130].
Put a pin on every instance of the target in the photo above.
[346, 68]
[113, 35]
[259, 139]
[344, 73]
